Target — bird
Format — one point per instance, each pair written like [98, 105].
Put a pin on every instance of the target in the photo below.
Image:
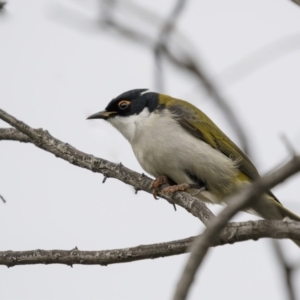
[177, 143]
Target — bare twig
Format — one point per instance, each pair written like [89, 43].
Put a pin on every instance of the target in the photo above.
[287, 270]
[42, 139]
[232, 233]
[104, 258]
[237, 202]
[163, 38]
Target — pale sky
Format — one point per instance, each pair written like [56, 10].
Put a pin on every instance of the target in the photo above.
[57, 67]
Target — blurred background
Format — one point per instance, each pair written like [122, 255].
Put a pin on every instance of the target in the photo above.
[60, 61]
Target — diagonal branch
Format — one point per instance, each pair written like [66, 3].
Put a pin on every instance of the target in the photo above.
[232, 233]
[42, 139]
[236, 202]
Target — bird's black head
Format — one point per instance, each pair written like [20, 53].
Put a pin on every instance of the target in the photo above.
[129, 103]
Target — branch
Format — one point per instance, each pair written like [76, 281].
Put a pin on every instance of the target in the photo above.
[163, 38]
[232, 233]
[42, 139]
[236, 202]
[12, 134]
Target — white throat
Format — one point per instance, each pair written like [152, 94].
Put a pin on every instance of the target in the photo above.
[127, 125]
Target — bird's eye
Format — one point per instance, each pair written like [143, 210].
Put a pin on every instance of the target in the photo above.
[123, 104]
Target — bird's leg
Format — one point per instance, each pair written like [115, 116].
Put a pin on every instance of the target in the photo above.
[156, 183]
[182, 187]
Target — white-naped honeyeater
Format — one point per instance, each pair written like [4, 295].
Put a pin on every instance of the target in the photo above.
[177, 143]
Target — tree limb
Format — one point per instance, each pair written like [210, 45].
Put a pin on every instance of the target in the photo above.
[232, 233]
[42, 139]
[236, 202]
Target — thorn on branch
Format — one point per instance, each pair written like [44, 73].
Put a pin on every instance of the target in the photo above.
[104, 178]
[118, 166]
[287, 220]
[136, 190]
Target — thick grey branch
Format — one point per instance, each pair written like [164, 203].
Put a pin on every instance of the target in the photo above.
[236, 202]
[232, 233]
[42, 139]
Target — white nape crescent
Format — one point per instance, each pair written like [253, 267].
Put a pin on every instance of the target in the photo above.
[145, 92]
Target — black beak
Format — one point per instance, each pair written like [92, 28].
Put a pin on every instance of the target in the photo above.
[102, 115]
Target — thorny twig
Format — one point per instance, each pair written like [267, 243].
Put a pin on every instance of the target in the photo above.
[232, 233]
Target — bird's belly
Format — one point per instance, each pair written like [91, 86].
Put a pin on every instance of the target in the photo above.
[184, 158]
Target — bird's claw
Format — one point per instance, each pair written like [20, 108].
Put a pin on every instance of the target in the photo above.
[156, 183]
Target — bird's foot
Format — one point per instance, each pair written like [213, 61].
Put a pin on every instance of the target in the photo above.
[156, 183]
[176, 188]
[182, 188]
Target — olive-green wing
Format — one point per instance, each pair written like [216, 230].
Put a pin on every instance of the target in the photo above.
[202, 127]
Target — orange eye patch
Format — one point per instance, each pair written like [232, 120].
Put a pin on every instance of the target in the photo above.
[123, 104]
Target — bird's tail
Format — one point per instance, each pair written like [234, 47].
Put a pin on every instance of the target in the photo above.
[271, 209]
[287, 213]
